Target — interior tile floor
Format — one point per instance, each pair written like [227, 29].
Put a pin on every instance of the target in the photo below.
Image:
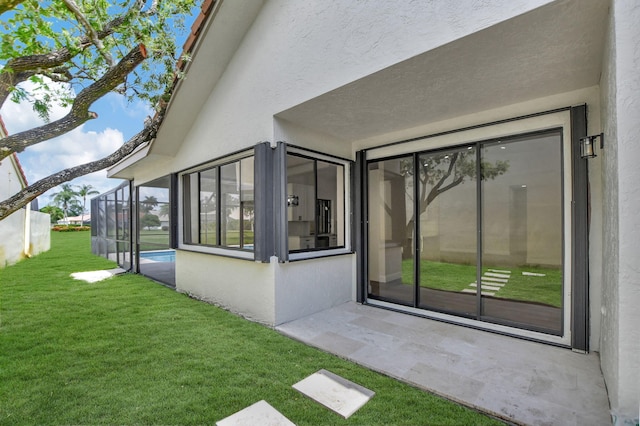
[519, 381]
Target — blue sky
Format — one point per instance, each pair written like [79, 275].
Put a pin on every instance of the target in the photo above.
[118, 120]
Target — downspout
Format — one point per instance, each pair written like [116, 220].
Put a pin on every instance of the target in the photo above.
[27, 232]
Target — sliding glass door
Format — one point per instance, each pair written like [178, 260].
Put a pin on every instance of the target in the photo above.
[522, 233]
[447, 208]
[488, 217]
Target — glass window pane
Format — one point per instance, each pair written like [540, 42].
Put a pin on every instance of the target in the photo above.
[391, 206]
[523, 231]
[247, 202]
[190, 205]
[208, 207]
[448, 219]
[301, 201]
[230, 204]
[330, 205]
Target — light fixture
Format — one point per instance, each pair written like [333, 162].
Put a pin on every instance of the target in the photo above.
[587, 145]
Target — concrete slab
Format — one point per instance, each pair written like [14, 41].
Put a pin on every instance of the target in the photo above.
[260, 413]
[334, 392]
[520, 381]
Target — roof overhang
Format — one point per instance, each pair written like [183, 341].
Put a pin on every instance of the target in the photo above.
[223, 31]
[553, 49]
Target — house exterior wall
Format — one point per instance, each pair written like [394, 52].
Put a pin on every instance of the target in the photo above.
[621, 289]
[21, 222]
[12, 235]
[298, 51]
[242, 286]
[310, 286]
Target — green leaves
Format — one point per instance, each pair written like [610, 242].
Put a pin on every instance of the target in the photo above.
[50, 28]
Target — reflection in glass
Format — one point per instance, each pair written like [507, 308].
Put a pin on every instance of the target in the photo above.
[391, 260]
[247, 205]
[230, 205]
[448, 216]
[208, 206]
[301, 193]
[523, 232]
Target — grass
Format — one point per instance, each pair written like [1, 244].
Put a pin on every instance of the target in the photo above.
[129, 351]
[546, 290]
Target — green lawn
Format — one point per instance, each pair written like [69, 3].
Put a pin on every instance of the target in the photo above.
[456, 277]
[130, 351]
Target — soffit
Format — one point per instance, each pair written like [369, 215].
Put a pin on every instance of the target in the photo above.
[553, 49]
[216, 46]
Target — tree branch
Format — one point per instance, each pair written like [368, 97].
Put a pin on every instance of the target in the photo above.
[79, 111]
[6, 5]
[92, 34]
[28, 194]
[35, 64]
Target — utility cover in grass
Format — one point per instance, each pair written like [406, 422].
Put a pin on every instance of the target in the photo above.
[260, 413]
[334, 392]
[95, 276]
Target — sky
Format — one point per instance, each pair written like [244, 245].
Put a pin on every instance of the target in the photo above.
[118, 120]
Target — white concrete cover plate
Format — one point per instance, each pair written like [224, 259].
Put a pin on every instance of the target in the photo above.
[334, 392]
[95, 276]
[260, 413]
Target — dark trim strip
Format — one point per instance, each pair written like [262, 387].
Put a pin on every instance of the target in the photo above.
[360, 212]
[263, 199]
[281, 226]
[580, 234]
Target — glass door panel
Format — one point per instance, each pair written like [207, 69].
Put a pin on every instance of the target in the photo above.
[391, 231]
[522, 232]
[447, 206]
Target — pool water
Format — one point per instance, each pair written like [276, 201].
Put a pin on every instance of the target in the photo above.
[159, 256]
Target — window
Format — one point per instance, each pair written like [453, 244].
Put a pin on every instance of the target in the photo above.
[315, 204]
[474, 231]
[219, 205]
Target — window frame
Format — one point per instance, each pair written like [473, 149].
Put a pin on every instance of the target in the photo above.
[317, 252]
[218, 248]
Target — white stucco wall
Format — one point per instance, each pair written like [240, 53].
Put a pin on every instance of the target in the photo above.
[621, 290]
[309, 286]
[298, 50]
[12, 236]
[244, 287]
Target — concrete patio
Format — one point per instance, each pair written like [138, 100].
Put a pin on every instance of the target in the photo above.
[516, 380]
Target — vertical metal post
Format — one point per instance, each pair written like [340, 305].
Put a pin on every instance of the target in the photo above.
[580, 234]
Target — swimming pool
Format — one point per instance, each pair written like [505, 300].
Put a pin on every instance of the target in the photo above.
[159, 256]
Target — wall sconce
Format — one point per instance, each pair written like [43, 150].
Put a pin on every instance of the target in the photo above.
[292, 200]
[587, 145]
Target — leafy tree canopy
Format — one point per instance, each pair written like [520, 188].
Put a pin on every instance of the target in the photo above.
[93, 47]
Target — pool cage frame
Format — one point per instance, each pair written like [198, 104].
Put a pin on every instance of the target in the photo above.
[115, 229]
